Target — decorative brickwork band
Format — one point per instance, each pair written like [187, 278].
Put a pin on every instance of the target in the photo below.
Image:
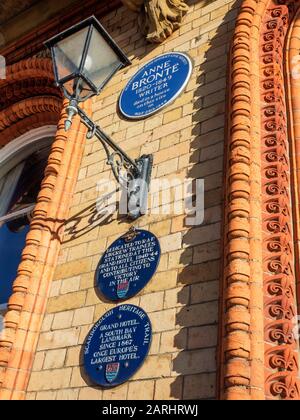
[28, 98]
[27, 304]
[27, 78]
[260, 281]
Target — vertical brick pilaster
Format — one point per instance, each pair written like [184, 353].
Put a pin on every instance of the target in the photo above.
[28, 302]
[242, 348]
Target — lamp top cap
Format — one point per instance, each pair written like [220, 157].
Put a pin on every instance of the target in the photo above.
[91, 21]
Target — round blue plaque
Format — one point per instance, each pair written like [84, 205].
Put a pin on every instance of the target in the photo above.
[156, 85]
[128, 265]
[117, 345]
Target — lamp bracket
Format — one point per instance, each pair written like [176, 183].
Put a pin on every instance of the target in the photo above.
[133, 175]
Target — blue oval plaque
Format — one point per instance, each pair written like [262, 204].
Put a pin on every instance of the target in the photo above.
[117, 345]
[155, 85]
[128, 265]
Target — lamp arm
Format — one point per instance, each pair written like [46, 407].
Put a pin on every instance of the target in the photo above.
[136, 180]
[118, 158]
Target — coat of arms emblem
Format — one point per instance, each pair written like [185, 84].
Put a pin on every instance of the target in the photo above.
[112, 371]
[122, 289]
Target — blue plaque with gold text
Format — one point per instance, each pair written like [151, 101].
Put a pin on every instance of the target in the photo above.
[117, 345]
[128, 265]
[156, 85]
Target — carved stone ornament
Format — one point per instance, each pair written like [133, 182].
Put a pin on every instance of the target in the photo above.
[158, 19]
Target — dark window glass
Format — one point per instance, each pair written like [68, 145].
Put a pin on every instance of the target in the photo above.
[11, 246]
[13, 232]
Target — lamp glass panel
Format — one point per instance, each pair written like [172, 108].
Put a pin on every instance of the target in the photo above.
[69, 86]
[101, 61]
[68, 53]
[85, 90]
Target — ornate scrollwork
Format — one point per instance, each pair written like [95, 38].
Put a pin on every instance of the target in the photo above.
[280, 308]
[116, 158]
[283, 359]
[279, 287]
[283, 384]
[121, 169]
[280, 332]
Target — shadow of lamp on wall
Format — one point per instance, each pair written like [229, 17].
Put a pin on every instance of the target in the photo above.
[85, 58]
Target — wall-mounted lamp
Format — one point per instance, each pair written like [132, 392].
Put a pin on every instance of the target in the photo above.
[85, 58]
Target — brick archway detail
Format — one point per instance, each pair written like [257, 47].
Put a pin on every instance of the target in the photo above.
[32, 101]
[259, 349]
[28, 98]
[31, 112]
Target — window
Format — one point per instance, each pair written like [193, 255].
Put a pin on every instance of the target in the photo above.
[21, 175]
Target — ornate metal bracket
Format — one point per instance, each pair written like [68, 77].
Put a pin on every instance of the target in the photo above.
[137, 173]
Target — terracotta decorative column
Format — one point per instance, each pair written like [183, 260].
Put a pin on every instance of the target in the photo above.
[259, 346]
[27, 304]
